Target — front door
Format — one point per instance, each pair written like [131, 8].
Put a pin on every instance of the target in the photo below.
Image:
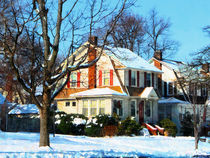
[141, 111]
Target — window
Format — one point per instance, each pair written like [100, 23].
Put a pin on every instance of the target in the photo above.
[118, 107]
[106, 77]
[133, 78]
[67, 103]
[74, 103]
[164, 111]
[102, 107]
[133, 108]
[73, 79]
[93, 108]
[85, 108]
[170, 88]
[148, 80]
[147, 109]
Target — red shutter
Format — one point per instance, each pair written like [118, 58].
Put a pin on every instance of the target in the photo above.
[129, 77]
[152, 79]
[111, 77]
[78, 79]
[137, 78]
[100, 78]
[145, 79]
[68, 82]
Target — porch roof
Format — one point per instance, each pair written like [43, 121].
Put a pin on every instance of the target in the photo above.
[98, 92]
[149, 93]
[171, 100]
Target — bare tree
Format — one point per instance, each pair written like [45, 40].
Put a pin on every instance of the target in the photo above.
[52, 22]
[128, 32]
[157, 32]
[196, 79]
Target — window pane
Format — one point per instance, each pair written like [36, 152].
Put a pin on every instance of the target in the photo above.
[102, 107]
[85, 108]
[133, 78]
[147, 110]
[133, 110]
[73, 79]
[148, 80]
[67, 103]
[106, 78]
[93, 108]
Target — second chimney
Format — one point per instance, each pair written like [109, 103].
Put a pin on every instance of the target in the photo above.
[92, 56]
[158, 55]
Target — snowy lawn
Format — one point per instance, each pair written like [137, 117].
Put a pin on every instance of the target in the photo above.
[26, 145]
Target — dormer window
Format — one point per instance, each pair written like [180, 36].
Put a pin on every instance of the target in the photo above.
[133, 78]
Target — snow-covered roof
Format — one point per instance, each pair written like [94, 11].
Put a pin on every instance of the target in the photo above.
[171, 100]
[25, 109]
[130, 59]
[2, 99]
[98, 91]
[149, 92]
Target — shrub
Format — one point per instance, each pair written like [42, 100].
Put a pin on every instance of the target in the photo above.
[169, 126]
[187, 124]
[95, 126]
[73, 124]
[129, 127]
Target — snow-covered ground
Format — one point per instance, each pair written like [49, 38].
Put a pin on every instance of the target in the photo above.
[27, 145]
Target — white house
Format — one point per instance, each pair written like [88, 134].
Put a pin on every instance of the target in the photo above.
[120, 82]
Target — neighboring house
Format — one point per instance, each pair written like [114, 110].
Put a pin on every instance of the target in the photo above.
[120, 82]
[173, 109]
[170, 89]
[23, 117]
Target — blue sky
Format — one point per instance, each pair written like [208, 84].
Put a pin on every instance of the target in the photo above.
[188, 17]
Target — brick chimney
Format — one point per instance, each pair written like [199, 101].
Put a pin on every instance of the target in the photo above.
[92, 56]
[158, 55]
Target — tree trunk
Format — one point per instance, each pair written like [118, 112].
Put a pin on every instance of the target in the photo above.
[44, 134]
[196, 137]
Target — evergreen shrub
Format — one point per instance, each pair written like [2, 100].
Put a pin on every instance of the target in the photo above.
[73, 124]
[169, 126]
[129, 127]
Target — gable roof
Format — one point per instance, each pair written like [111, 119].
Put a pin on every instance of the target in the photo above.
[171, 100]
[149, 92]
[97, 92]
[171, 64]
[130, 59]
[25, 109]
